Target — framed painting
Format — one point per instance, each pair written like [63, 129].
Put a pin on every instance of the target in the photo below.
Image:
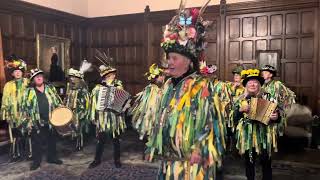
[53, 52]
[269, 57]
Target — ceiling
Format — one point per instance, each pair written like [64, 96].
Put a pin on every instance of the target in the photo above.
[98, 8]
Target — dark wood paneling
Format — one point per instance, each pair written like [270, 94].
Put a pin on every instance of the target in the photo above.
[238, 31]
[247, 27]
[292, 31]
[21, 22]
[291, 50]
[276, 24]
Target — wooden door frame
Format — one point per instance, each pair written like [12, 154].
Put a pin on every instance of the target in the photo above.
[2, 71]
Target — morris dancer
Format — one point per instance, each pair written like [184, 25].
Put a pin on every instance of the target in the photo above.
[108, 122]
[188, 135]
[147, 101]
[253, 137]
[278, 92]
[40, 100]
[236, 89]
[11, 109]
[77, 99]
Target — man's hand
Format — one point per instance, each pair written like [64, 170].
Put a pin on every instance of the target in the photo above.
[274, 116]
[245, 109]
[236, 84]
[195, 157]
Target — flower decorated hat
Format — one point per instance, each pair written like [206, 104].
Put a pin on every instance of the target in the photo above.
[85, 66]
[237, 70]
[207, 69]
[15, 63]
[35, 72]
[107, 63]
[269, 68]
[251, 74]
[154, 72]
[185, 33]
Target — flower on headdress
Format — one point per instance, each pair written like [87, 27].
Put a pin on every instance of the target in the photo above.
[189, 28]
[173, 36]
[191, 32]
[243, 73]
[16, 64]
[194, 12]
[154, 71]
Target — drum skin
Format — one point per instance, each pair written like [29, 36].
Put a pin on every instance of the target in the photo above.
[62, 120]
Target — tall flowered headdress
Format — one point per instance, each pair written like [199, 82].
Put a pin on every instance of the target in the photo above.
[185, 33]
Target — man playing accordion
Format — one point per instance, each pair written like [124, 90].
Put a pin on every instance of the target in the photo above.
[254, 137]
[107, 121]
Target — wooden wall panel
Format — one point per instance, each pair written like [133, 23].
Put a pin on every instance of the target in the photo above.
[276, 24]
[262, 26]
[291, 50]
[238, 31]
[21, 22]
[125, 46]
[291, 75]
[306, 47]
[290, 31]
[307, 26]
[247, 28]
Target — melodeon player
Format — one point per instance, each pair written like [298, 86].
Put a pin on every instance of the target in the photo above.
[255, 138]
[106, 114]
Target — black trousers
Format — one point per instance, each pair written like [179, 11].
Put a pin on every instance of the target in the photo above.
[102, 137]
[20, 145]
[41, 137]
[265, 162]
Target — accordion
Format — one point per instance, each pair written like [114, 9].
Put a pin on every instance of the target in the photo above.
[112, 98]
[261, 110]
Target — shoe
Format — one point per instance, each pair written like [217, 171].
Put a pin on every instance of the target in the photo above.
[55, 161]
[79, 148]
[94, 164]
[34, 166]
[117, 164]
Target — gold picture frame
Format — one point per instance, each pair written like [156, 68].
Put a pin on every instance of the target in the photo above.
[47, 46]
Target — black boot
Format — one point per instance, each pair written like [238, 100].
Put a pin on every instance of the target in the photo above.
[116, 152]
[34, 166]
[99, 151]
[94, 164]
[55, 161]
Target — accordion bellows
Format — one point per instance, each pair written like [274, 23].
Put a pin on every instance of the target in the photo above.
[261, 110]
[112, 98]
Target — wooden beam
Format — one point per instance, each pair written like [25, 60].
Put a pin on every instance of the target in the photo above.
[2, 72]
[221, 41]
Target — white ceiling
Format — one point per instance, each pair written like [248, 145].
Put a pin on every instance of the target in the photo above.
[98, 8]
